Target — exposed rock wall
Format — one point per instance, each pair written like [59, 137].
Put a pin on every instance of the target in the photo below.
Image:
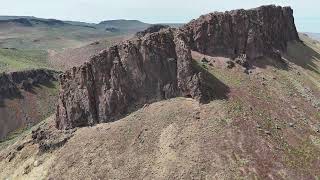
[151, 29]
[255, 32]
[157, 64]
[11, 83]
[155, 67]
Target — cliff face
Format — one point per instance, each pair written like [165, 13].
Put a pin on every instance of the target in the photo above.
[155, 67]
[158, 65]
[255, 32]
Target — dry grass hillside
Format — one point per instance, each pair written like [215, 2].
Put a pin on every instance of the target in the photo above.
[77, 56]
[262, 125]
[21, 112]
[30, 42]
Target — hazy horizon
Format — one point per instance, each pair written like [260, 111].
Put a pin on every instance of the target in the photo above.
[307, 16]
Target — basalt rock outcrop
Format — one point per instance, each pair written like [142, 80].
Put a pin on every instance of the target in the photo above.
[13, 82]
[157, 63]
[155, 67]
[258, 32]
[151, 29]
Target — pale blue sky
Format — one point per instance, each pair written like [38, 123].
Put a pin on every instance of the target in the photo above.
[307, 12]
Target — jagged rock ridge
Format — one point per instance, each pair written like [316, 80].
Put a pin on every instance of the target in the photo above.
[152, 29]
[158, 65]
[256, 32]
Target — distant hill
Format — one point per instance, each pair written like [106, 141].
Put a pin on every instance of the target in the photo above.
[30, 42]
[23, 32]
[123, 25]
[315, 36]
[15, 17]
[43, 34]
[30, 21]
[77, 56]
[27, 42]
[131, 25]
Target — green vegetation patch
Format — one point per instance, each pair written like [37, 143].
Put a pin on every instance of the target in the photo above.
[16, 60]
[226, 76]
[47, 96]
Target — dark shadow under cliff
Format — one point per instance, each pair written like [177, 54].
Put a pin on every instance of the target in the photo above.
[217, 89]
[17, 93]
[301, 54]
[264, 62]
[14, 84]
[48, 84]
[298, 53]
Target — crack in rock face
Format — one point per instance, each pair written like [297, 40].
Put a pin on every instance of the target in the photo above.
[158, 65]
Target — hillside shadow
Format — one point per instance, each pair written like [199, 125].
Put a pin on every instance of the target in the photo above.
[264, 62]
[217, 90]
[297, 53]
[17, 93]
[12, 96]
[261, 62]
[48, 84]
[304, 56]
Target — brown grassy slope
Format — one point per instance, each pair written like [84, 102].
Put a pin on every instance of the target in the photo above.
[266, 126]
[175, 139]
[77, 56]
[46, 37]
[50, 45]
[26, 110]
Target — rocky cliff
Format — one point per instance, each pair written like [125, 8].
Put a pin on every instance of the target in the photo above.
[256, 32]
[154, 67]
[151, 29]
[157, 64]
